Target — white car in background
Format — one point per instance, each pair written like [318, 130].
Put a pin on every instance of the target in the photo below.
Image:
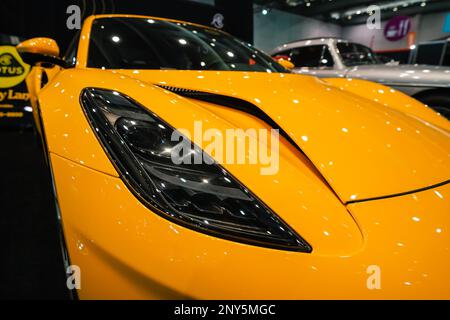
[333, 57]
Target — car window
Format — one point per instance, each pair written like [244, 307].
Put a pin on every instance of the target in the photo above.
[354, 54]
[309, 56]
[430, 53]
[446, 59]
[70, 57]
[138, 43]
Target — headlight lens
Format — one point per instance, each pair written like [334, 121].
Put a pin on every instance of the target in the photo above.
[204, 197]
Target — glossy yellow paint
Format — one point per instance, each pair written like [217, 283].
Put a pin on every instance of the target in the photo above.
[34, 84]
[356, 145]
[45, 46]
[286, 63]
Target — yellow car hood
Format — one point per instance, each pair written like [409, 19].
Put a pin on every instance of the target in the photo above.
[364, 148]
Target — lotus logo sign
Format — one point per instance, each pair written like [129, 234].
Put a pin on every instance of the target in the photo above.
[397, 28]
[12, 69]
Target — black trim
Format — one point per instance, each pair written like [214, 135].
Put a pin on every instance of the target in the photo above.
[44, 79]
[401, 193]
[35, 58]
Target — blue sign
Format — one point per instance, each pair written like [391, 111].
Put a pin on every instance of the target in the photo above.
[447, 23]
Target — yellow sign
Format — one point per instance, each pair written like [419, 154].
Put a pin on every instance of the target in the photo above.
[11, 114]
[10, 94]
[12, 69]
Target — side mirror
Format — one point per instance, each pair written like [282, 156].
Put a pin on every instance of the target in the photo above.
[40, 51]
[284, 61]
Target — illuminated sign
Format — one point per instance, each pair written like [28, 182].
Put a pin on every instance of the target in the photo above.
[447, 23]
[12, 69]
[14, 98]
[397, 28]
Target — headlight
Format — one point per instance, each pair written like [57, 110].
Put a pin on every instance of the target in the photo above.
[203, 197]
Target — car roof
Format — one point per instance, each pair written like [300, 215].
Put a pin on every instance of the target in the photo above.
[308, 42]
[313, 38]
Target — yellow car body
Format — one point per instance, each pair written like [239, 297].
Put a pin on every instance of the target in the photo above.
[371, 188]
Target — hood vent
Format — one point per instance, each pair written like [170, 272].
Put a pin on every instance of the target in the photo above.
[233, 103]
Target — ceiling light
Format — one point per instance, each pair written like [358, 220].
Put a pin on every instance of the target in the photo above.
[391, 6]
[335, 15]
[265, 11]
[293, 3]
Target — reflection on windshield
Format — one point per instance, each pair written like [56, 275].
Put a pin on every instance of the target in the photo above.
[138, 43]
[354, 54]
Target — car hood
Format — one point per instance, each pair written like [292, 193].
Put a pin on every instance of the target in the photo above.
[363, 149]
[407, 74]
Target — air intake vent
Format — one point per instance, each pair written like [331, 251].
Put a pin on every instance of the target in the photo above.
[226, 101]
[233, 103]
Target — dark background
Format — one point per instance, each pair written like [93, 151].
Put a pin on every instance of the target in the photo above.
[31, 264]
[47, 18]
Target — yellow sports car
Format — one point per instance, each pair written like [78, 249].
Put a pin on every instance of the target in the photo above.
[285, 186]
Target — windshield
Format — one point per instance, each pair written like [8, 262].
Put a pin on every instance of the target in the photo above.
[138, 43]
[354, 54]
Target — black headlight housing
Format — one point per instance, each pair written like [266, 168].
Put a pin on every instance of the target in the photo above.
[202, 197]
